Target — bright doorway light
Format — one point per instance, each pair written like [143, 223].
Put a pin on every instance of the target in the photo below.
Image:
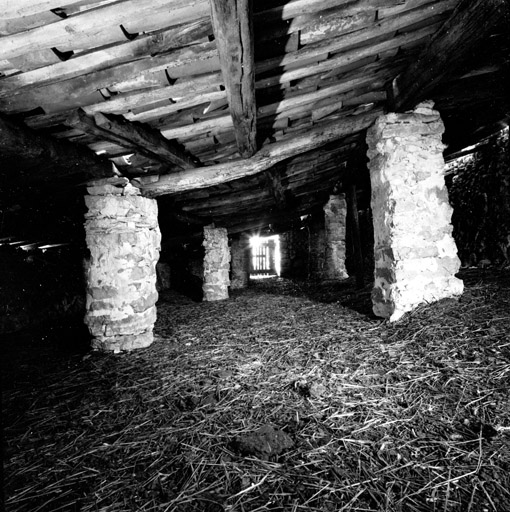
[265, 256]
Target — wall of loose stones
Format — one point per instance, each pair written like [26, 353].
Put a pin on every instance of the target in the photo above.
[479, 190]
[39, 289]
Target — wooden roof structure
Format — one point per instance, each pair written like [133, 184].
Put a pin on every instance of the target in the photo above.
[238, 112]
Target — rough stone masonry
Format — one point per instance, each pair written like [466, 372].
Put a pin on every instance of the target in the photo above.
[216, 264]
[123, 238]
[415, 254]
[335, 214]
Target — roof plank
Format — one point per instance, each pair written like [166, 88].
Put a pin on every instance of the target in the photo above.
[467, 26]
[88, 29]
[107, 57]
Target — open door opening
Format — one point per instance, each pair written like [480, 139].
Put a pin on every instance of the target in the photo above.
[265, 256]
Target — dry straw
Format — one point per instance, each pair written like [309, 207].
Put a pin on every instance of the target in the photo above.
[410, 417]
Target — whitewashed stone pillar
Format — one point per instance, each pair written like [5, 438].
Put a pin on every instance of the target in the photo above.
[335, 214]
[240, 262]
[415, 254]
[216, 264]
[123, 238]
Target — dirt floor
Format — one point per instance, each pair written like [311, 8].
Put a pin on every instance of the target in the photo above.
[289, 396]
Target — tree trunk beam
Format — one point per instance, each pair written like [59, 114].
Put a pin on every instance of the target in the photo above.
[133, 136]
[264, 159]
[233, 30]
[449, 46]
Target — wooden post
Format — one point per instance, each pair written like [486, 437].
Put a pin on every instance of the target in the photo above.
[233, 29]
[352, 208]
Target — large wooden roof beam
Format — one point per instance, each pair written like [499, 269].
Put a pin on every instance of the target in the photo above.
[233, 30]
[268, 156]
[466, 28]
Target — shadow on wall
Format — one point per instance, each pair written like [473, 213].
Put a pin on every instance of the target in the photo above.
[479, 191]
[40, 289]
[187, 270]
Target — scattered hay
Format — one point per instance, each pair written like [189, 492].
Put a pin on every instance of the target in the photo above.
[412, 416]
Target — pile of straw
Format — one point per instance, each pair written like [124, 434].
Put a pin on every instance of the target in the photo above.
[410, 417]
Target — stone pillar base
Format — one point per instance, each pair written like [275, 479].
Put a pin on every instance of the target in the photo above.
[123, 237]
[415, 254]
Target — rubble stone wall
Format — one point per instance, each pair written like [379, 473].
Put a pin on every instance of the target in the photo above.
[240, 262]
[216, 264]
[335, 215]
[124, 241]
[415, 254]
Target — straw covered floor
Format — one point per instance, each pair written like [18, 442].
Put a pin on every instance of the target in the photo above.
[289, 396]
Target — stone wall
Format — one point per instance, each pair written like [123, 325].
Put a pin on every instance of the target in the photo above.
[240, 262]
[335, 215]
[123, 238]
[294, 247]
[316, 247]
[479, 190]
[40, 289]
[216, 264]
[415, 254]
[163, 276]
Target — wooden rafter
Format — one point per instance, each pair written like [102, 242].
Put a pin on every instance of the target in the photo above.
[233, 30]
[143, 140]
[467, 26]
[51, 158]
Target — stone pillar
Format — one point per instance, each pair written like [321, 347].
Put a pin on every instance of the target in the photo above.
[240, 262]
[415, 254]
[335, 214]
[123, 238]
[216, 264]
[286, 254]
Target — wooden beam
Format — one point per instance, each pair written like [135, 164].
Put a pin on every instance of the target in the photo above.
[141, 139]
[264, 159]
[233, 29]
[467, 26]
[50, 158]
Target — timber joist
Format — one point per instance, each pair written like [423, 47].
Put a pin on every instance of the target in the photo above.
[241, 105]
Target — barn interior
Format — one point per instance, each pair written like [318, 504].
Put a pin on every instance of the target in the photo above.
[283, 227]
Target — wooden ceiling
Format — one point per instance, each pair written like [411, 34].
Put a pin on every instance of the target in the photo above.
[235, 112]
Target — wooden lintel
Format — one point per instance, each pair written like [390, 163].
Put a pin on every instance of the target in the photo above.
[188, 218]
[51, 158]
[233, 30]
[467, 26]
[268, 156]
[141, 139]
